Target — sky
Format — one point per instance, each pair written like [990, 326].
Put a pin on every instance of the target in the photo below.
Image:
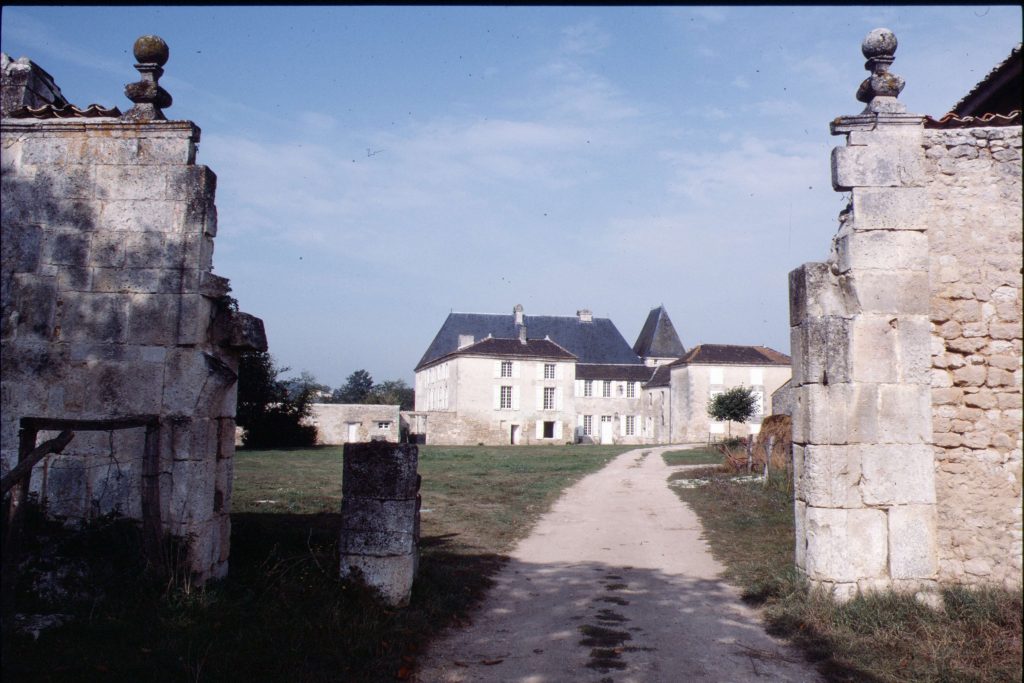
[380, 167]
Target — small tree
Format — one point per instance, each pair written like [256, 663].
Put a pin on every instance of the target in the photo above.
[735, 405]
[357, 387]
[393, 392]
[271, 418]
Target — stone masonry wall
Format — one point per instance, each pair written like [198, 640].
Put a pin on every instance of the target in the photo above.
[974, 235]
[110, 310]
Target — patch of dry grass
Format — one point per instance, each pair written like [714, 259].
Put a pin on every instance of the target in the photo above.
[885, 637]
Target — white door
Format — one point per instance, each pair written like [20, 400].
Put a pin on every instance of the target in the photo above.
[607, 431]
[353, 432]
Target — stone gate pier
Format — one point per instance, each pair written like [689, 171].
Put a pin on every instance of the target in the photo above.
[907, 352]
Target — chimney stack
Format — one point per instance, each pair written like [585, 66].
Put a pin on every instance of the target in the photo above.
[585, 315]
[518, 313]
[522, 334]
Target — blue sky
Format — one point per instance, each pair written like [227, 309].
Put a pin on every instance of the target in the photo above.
[379, 167]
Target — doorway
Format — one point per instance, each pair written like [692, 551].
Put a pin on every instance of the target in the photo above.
[516, 431]
[353, 432]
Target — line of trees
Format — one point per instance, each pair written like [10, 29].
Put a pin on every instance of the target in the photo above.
[272, 409]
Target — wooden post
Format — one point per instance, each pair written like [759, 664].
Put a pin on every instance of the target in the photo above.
[768, 457]
[750, 454]
[13, 520]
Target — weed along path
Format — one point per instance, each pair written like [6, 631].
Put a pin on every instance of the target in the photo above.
[614, 584]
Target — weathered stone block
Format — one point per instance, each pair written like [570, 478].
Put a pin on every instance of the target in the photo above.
[391, 576]
[897, 474]
[376, 543]
[141, 215]
[194, 319]
[877, 166]
[846, 545]
[887, 292]
[373, 514]
[799, 522]
[92, 317]
[191, 183]
[380, 470]
[873, 341]
[166, 150]
[813, 293]
[39, 150]
[901, 208]
[913, 552]
[20, 247]
[904, 413]
[130, 182]
[147, 250]
[821, 351]
[830, 476]
[903, 250]
[191, 496]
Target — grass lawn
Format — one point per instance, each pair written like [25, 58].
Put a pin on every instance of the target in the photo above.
[282, 614]
[692, 456]
[882, 638]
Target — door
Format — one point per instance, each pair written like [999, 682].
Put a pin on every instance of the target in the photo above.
[607, 431]
[353, 432]
[515, 435]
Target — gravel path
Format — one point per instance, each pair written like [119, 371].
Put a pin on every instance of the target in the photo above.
[614, 585]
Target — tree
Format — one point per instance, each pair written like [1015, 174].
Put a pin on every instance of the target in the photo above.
[393, 392]
[357, 387]
[271, 417]
[735, 405]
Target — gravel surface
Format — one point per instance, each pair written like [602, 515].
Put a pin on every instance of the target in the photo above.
[614, 585]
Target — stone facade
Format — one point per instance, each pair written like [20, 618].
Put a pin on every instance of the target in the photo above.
[693, 384]
[114, 325]
[906, 356]
[340, 423]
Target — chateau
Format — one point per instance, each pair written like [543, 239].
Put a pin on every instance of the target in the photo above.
[516, 379]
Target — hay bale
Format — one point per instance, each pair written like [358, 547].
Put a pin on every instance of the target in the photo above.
[781, 428]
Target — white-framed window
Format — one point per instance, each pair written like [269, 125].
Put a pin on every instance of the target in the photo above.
[619, 389]
[588, 387]
[630, 389]
[506, 368]
[606, 388]
[606, 418]
[383, 425]
[758, 403]
[588, 425]
[506, 398]
[549, 371]
[549, 398]
[630, 425]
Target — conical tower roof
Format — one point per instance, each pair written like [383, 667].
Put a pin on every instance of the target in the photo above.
[658, 338]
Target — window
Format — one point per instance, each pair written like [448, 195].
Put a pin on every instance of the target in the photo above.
[606, 418]
[549, 371]
[606, 388]
[549, 398]
[506, 368]
[619, 389]
[588, 387]
[630, 425]
[506, 398]
[758, 403]
[630, 389]
[588, 425]
[549, 430]
[383, 425]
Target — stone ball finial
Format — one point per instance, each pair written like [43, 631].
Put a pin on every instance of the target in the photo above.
[879, 43]
[880, 90]
[151, 50]
[149, 98]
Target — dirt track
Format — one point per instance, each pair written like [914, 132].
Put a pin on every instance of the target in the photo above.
[613, 585]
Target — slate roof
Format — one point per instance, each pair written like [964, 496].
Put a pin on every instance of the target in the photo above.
[662, 377]
[533, 348]
[728, 354]
[598, 341]
[658, 337]
[629, 373]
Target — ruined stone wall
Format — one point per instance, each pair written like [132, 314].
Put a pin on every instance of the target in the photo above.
[110, 310]
[974, 235]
